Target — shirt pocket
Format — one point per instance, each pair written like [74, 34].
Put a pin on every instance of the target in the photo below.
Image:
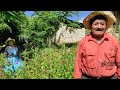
[110, 59]
[89, 60]
[110, 55]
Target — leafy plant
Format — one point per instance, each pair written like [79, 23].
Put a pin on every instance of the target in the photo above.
[46, 63]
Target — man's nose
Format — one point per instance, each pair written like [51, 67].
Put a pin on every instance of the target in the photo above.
[99, 26]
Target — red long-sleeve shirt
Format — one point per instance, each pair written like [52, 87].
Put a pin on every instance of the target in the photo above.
[97, 59]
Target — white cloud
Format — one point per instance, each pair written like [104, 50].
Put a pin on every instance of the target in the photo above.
[81, 20]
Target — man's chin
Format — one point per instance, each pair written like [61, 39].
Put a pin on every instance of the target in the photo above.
[99, 35]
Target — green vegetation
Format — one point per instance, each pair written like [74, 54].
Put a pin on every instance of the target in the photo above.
[45, 63]
[42, 60]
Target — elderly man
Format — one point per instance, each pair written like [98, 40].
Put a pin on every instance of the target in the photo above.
[98, 54]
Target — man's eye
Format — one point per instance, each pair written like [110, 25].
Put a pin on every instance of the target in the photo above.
[95, 24]
[102, 24]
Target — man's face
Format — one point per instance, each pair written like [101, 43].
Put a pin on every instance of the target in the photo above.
[98, 27]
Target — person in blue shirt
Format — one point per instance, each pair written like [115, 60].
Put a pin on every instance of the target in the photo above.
[11, 52]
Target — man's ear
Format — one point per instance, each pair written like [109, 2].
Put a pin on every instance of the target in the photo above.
[90, 27]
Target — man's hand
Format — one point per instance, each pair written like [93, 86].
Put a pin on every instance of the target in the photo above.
[77, 78]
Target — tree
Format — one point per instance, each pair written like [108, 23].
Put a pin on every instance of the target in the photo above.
[40, 27]
[9, 23]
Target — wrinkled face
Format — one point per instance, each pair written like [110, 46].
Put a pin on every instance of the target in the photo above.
[11, 43]
[98, 27]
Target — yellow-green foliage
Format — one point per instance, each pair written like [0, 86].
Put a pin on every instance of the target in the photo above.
[47, 63]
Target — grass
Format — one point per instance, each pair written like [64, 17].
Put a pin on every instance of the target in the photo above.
[46, 63]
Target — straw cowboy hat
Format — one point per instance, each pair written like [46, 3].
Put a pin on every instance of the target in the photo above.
[9, 39]
[111, 19]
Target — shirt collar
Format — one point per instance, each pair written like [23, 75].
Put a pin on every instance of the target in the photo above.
[105, 37]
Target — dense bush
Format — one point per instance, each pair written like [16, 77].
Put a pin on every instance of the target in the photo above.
[47, 63]
[40, 60]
